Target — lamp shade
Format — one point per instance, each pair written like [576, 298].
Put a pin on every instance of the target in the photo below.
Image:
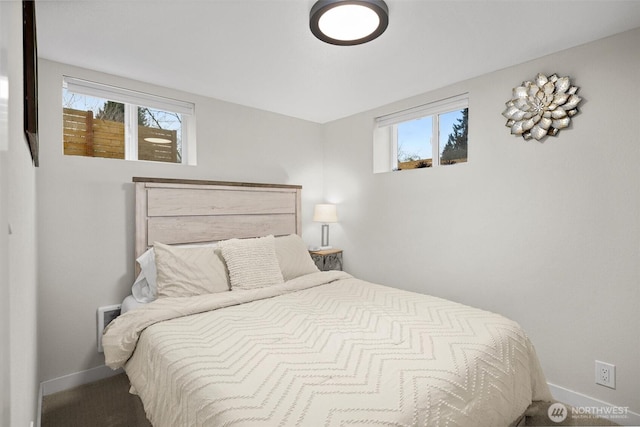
[325, 213]
[348, 22]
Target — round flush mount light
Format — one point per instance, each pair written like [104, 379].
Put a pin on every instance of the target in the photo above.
[348, 22]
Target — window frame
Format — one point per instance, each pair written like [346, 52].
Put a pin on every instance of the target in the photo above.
[133, 100]
[385, 132]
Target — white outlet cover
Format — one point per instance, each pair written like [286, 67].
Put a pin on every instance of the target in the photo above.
[605, 374]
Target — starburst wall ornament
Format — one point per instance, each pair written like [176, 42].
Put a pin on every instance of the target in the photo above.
[541, 107]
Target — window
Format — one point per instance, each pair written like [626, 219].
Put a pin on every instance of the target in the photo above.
[412, 139]
[107, 121]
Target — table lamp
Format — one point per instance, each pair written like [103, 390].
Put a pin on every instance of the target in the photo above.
[325, 213]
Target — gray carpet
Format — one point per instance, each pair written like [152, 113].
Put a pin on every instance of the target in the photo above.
[104, 403]
[108, 403]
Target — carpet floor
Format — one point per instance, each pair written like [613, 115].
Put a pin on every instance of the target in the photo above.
[108, 403]
[104, 403]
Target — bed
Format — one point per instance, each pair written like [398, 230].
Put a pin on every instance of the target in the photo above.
[275, 342]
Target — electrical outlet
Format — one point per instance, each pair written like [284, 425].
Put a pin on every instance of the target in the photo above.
[105, 315]
[605, 374]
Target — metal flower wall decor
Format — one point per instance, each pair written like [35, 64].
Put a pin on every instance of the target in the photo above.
[542, 107]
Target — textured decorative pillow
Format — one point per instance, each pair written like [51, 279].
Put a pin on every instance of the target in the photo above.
[252, 263]
[189, 271]
[293, 257]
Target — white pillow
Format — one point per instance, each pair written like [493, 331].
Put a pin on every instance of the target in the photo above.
[252, 263]
[189, 271]
[293, 257]
[145, 288]
[141, 291]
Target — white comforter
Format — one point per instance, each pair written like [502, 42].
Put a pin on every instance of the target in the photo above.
[324, 349]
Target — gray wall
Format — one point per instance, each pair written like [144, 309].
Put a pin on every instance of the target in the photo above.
[18, 279]
[545, 233]
[85, 205]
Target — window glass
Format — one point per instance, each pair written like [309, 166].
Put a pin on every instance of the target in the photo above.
[92, 126]
[159, 135]
[414, 143]
[124, 127]
[454, 128]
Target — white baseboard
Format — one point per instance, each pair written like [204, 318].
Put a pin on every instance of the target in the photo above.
[579, 400]
[39, 411]
[78, 378]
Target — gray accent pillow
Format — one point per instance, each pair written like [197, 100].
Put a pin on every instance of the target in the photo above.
[293, 257]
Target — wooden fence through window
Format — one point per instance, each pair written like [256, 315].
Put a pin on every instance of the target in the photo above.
[84, 135]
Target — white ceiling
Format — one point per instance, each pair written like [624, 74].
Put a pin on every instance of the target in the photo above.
[261, 53]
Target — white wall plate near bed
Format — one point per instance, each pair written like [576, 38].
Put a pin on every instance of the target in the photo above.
[106, 314]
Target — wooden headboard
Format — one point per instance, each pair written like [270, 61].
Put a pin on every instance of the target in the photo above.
[175, 211]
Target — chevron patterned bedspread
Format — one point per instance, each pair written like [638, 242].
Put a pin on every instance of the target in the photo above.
[325, 349]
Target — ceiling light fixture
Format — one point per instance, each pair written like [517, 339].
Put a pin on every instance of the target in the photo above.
[348, 22]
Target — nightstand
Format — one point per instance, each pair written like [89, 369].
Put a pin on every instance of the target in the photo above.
[329, 259]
